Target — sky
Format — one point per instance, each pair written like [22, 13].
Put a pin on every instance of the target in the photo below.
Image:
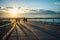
[43, 4]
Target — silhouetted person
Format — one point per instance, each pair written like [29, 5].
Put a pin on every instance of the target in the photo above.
[19, 20]
[26, 19]
[16, 20]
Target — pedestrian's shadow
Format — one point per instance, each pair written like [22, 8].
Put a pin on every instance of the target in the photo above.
[44, 30]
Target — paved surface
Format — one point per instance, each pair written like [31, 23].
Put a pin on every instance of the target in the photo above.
[34, 31]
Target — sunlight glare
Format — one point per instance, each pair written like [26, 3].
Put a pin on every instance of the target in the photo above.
[13, 11]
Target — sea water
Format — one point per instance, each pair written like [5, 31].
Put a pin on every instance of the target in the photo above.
[46, 20]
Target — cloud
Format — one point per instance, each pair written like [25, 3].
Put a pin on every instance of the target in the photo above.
[28, 10]
[57, 3]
